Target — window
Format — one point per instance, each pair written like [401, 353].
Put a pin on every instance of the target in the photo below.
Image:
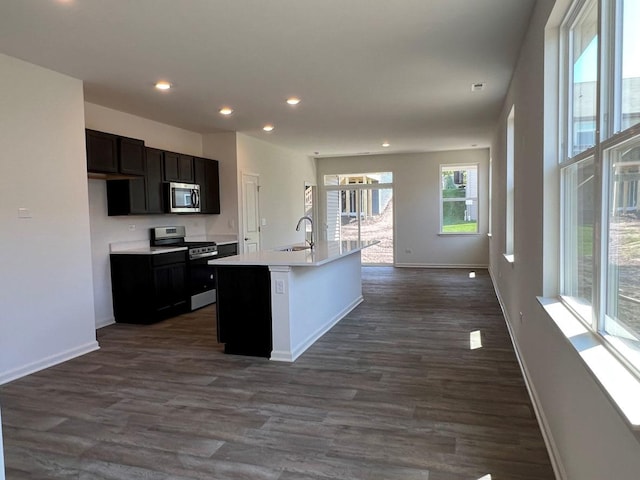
[459, 198]
[510, 220]
[600, 171]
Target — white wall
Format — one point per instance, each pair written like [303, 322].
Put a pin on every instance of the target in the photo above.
[589, 439]
[222, 147]
[416, 179]
[283, 174]
[105, 229]
[46, 296]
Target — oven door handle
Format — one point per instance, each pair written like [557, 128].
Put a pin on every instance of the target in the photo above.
[203, 255]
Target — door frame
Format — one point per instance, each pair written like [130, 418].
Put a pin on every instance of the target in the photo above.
[242, 209]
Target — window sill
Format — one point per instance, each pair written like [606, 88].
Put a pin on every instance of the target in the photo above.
[462, 234]
[616, 381]
[509, 257]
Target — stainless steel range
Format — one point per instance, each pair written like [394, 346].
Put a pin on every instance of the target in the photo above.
[201, 280]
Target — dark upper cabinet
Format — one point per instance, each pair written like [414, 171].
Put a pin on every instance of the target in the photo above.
[112, 154]
[126, 197]
[138, 196]
[154, 183]
[185, 168]
[178, 167]
[131, 155]
[206, 174]
[102, 152]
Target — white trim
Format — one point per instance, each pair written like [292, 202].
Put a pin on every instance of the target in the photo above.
[552, 449]
[1, 451]
[291, 356]
[48, 362]
[105, 322]
[441, 265]
[509, 257]
[615, 380]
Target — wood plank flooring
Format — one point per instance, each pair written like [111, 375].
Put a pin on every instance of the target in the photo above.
[391, 392]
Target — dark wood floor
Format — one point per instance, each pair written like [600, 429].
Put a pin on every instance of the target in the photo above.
[391, 392]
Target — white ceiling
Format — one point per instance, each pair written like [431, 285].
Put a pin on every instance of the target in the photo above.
[366, 70]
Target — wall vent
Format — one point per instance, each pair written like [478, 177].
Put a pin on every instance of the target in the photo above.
[478, 87]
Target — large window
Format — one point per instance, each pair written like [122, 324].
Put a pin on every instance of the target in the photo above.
[600, 171]
[459, 198]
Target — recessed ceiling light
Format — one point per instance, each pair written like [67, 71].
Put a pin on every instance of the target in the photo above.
[163, 85]
[386, 144]
[226, 111]
[268, 128]
[293, 100]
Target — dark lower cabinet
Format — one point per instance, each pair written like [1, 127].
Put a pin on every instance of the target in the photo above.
[148, 288]
[243, 310]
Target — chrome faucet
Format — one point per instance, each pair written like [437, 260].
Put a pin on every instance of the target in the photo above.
[298, 229]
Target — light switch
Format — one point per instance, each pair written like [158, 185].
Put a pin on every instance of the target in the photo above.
[264, 222]
[280, 286]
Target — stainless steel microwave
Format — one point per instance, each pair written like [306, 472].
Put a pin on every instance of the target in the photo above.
[182, 197]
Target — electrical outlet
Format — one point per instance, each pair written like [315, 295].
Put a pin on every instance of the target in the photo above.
[132, 227]
[280, 286]
[408, 250]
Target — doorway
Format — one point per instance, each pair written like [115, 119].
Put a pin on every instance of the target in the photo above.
[360, 207]
[250, 212]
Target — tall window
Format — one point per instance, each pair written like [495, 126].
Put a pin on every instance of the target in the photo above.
[600, 171]
[510, 220]
[459, 199]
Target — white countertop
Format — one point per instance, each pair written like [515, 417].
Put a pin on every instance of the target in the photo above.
[323, 252]
[149, 250]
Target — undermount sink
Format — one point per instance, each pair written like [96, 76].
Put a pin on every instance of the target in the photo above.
[296, 248]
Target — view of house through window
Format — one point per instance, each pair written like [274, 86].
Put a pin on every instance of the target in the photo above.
[360, 207]
[600, 171]
[459, 198]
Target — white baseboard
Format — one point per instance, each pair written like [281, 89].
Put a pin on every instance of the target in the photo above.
[552, 450]
[47, 362]
[437, 265]
[290, 356]
[105, 322]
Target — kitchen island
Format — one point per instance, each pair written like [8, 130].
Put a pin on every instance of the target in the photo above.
[277, 303]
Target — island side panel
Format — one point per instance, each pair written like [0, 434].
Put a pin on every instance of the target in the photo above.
[243, 310]
[317, 298]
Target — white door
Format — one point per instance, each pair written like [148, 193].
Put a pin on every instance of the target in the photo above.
[250, 212]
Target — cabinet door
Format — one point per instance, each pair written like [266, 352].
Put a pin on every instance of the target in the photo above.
[126, 197]
[131, 153]
[213, 186]
[153, 182]
[185, 168]
[200, 177]
[171, 172]
[206, 175]
[170, 287]
[102, 152]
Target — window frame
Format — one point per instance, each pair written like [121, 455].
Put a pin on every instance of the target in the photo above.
[608, 137]
[441, 199]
